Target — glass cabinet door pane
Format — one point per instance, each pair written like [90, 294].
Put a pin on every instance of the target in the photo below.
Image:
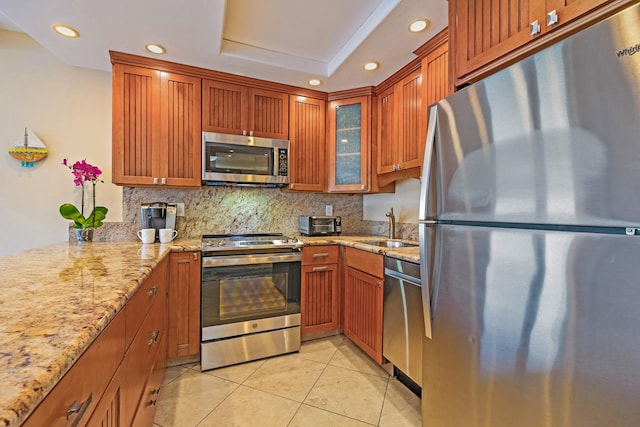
[348, 144]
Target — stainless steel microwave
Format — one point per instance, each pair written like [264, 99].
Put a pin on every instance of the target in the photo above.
[244, 160]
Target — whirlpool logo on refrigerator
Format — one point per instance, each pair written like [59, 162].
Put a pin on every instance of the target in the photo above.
[628, 51]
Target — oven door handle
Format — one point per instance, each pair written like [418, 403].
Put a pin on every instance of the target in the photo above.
[222, 261]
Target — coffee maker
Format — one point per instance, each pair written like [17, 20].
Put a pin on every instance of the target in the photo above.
[158, 215]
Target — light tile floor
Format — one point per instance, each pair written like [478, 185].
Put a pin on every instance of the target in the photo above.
[329, 382]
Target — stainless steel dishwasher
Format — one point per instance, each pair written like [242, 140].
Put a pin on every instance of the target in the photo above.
[403, 324]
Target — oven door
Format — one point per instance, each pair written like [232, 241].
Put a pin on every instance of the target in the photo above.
[241, 288]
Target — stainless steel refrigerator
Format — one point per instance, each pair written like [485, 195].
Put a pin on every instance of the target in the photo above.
[530, 245]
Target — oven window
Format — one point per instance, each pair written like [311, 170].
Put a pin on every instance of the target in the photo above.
[228, 158]
[247, 292]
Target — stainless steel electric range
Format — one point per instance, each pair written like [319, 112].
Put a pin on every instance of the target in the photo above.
[250, 300]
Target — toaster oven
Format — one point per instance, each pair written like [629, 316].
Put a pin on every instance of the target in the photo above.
[316, 225]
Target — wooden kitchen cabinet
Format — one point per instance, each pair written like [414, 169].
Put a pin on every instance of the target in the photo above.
[487, 36]
[156, 136]
[307, 133]
[242, 110]
[363, 300]
[349, 145]
[148, 348]
[184, 304]
[401, 126]
[320, 296]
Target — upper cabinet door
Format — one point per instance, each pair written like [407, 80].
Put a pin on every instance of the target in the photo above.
[268, 114]
[156, 128]
[411, 123]
[308, 155]
[224, 107]
[349, 143]
[241, 110]
[180, 130]
[135, 135]
[487, 36]
[485, 30]
[387, 132]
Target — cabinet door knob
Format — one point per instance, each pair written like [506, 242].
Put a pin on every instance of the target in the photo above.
[154, 337]
[552, 18]
[378, 284]
[535, 27]
[195, 256]
[164, 181]
[155, 179]
[399, 166]
[393, 167]
[152, 291]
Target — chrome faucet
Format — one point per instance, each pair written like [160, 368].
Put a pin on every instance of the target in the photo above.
[392, 224]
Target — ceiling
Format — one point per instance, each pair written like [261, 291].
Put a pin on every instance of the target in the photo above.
[286, 41]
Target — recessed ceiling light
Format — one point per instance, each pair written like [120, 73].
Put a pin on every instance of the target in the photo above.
[370, 66]
[315, 82]
[65, 30]
[419, 25]
[155, 48]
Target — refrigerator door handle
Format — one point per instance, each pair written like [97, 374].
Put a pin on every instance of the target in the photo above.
[426, 164]
[426, 278]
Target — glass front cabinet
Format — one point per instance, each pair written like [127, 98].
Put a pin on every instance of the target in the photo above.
[349, 145]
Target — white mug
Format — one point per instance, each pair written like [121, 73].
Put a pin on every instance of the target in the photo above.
[147, 235]
[167, 235]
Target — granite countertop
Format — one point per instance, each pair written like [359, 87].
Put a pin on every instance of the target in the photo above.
[408, 253]
[55, 300]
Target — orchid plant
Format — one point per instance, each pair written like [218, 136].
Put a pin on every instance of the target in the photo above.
[84, 172]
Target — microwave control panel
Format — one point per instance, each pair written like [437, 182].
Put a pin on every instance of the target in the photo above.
[283, 169]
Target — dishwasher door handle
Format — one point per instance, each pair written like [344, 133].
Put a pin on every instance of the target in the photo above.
[398, 275]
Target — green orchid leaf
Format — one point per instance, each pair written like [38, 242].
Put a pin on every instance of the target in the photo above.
[95, 219]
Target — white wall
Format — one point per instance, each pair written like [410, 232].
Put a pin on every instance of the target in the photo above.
[69, 108]
[404, 203]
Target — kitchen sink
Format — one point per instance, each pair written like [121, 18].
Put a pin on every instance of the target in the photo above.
[389, 243]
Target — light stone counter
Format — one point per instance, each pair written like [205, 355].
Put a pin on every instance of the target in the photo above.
[54, 301]
[409, 253]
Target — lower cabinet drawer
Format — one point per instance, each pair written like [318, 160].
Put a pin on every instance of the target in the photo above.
[140, 304]
[141, 356]
[149, 400]
[76, 395]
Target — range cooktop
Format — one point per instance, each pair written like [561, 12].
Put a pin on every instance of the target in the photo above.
[260, 241]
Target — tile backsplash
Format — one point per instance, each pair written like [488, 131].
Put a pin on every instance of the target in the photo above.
[244, 210]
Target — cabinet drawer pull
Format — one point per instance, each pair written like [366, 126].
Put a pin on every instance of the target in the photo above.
[320, 255]
[78, 408]
[153, 291]
[323, 268]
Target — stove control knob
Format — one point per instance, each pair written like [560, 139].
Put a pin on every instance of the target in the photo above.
[294, 240]
[221, 243]
[285, 240]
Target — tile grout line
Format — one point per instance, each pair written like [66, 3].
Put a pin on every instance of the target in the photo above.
[384, 400]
